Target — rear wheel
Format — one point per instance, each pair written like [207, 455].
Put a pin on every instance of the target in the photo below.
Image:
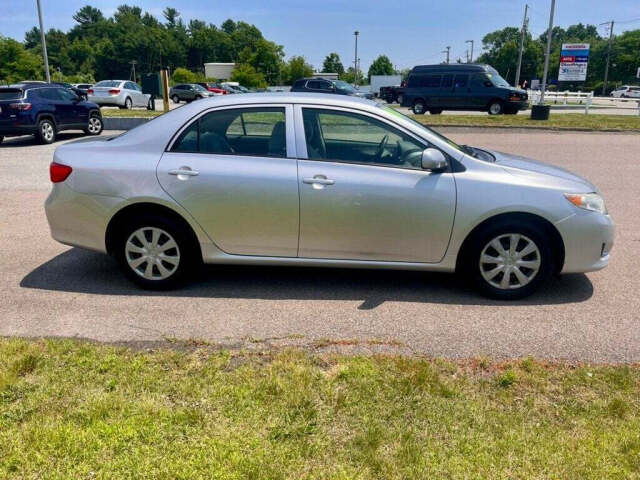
[94, 127]
[155, 252]
[128, 104]
[509, 260]
[46, 132]
[496, 107]
[419, 107]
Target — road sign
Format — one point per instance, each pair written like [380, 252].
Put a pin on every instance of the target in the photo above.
[574, 59]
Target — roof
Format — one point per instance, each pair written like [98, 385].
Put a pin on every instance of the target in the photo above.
[475, 67]
[288, 97]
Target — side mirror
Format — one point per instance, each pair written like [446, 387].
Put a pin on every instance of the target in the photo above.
[434, 160]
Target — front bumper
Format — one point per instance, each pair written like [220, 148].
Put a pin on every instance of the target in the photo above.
[588, 240]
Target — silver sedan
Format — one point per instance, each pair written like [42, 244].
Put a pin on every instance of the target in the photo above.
[118, 93]
[323, 181]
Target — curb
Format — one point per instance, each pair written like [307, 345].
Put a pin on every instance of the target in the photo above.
[535, 127]
[122, 123]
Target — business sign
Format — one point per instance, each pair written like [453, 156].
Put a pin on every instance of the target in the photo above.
[574, 59]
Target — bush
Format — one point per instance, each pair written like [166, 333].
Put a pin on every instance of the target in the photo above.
[182, 75]
[247, 76]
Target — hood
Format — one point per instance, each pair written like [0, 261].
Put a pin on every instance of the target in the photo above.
[525, 166]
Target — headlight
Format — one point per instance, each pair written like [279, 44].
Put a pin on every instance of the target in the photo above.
[588, 201]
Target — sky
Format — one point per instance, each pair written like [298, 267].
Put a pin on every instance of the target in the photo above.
[409, 32]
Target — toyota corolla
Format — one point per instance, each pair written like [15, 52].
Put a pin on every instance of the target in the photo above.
[322, 181]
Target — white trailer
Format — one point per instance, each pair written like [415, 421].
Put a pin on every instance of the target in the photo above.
[219, 71]
[378, 81]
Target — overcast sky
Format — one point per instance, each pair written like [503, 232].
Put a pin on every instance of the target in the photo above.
[408, 31]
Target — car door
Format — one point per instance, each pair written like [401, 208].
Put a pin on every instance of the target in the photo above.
[134, 94]
[460, 97]
[75, 113]
[62, 106]
[234, 170]
[360, 196]
[480, 90]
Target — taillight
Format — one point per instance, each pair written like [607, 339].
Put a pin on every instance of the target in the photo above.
[58, 172]
[90, 91]
[114, 91]
[20, 106]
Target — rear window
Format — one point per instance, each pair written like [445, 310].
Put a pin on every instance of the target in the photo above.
[107, 83]
[10, 94]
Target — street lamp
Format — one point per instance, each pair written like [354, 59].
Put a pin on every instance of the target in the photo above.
[355, 59]
[44, 44]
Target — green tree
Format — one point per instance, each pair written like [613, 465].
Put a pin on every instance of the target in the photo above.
[381, 66]
[246, 75]
[332, 64]
[296, 68]
[182, 75]
[17, 63]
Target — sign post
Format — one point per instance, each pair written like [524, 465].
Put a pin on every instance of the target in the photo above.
[574, 59]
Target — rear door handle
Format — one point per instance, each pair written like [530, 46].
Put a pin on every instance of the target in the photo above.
[318, 180]
[184, 171]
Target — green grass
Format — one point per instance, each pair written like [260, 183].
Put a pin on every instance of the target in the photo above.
[560, 121]
[134, 113]
[74, 410]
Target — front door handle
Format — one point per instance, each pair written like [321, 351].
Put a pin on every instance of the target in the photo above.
[183, 173]
[318, 180]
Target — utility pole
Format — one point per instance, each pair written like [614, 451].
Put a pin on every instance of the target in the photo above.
[44, 44]
[525, 20]
[447, 52]
[471, 54]
[548, 53]
[606, 68]
[355, 59]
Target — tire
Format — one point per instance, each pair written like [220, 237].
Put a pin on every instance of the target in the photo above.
[164, 268]
[128, 104]
[496, 107]
[484, 264]
[95, 125]
[46, 132]
[176, 99]
[419, 107]
[198, 97]
[435, 111]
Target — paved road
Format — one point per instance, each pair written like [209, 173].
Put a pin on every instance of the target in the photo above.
[53, 290]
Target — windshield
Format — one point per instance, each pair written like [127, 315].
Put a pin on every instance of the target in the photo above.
[199, 87]
[344, 86]
[497, 80]
[396, 113]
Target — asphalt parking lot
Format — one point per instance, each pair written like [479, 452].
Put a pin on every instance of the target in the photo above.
[53, 290]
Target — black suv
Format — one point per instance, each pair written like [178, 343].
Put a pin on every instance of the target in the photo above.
[42, 110]
[322, 85]
[461, 87]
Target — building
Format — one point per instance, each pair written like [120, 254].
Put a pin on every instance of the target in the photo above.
[219, 71]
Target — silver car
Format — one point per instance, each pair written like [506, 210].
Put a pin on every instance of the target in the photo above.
[324, 181]
[119, 93]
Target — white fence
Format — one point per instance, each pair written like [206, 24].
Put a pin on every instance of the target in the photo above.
[578, 99]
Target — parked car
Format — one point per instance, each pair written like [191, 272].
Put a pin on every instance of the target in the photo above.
[82, 89]
[119, 93]
[626, 91]
[321, 180]
[213, 88]
[322, 85]
[392, 94]
[435, 88]
[43, 110]
[233, 86]
[188, 92]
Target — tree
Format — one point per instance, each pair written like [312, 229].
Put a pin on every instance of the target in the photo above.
[296, 68]
[350, 76]
[246, 75]
[182, 75]
[332, 64]
[381, 66]
[171, 15]
[88, 15]
[18, 63]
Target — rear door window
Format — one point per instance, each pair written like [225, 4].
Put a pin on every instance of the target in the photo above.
[460, 81]
[447, 81]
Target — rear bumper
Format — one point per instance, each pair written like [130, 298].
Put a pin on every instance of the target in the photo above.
[588, 240]
[17, 130]
[107, 100]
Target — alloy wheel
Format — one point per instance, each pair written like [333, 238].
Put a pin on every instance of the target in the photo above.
[152, 253]
[127, 104]
[495, 108]
[95, 125]
[46, 129]
[510, 261]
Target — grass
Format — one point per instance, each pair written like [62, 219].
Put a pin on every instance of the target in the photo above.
[559, 121]
[133, 113]
[75, 410]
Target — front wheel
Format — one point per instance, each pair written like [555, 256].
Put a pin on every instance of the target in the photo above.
[95, 126]
[155, 253]
[496, 108]
[419, 107]
[46, 132]
[176, 99]
[509, 261]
